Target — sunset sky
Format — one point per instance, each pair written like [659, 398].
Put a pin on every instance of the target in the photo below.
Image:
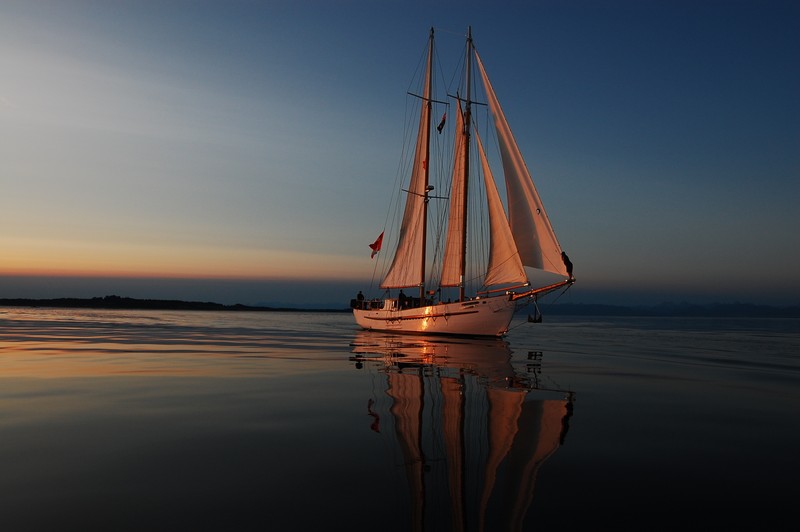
[244, 151]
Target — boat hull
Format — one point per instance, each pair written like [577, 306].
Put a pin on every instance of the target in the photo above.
[476, 317]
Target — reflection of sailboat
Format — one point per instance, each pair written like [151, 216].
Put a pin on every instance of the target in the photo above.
[480, 258]
[472, 432]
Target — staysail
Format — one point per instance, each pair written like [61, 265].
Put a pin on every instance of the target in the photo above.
[505, 265]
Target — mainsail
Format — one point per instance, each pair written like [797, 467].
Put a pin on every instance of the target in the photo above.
[452, 264]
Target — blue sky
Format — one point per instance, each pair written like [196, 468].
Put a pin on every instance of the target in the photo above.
[222, 150]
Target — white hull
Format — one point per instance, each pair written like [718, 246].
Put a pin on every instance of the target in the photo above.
[477, 317]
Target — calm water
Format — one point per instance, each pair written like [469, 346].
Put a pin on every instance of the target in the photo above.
[122, 420]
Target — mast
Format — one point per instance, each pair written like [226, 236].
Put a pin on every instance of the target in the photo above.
[426, 170]
[467, 123]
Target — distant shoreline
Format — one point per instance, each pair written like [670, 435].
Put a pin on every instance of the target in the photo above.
[715, 310]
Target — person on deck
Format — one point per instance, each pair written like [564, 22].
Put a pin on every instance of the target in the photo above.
[567, 263]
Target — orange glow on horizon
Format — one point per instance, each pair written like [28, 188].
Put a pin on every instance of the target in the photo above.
[82, 259]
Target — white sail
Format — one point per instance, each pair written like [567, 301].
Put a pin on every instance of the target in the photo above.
[535, 238]
[505, 265]
[408, 268]
[454, 249]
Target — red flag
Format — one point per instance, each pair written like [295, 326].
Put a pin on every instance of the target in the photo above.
[441, 124]
[376, 246]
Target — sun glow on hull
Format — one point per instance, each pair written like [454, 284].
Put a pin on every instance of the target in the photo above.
[477, 317]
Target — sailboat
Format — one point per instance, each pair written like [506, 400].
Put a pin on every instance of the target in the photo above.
[522, 238]
[467, 431]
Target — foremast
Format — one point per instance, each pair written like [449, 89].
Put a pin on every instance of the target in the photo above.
[465, 168]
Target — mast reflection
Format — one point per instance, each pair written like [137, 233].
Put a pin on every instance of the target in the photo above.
[471, 431]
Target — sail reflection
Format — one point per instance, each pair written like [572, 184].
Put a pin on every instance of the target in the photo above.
[469, 432]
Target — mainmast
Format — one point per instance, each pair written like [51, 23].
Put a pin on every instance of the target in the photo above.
[467, 124]
[426, 168]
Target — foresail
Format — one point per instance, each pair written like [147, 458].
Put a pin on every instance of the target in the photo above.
[407, 267]
[505, 265]
[534, 236]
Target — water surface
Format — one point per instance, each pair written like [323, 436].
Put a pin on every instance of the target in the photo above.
[142, 420]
